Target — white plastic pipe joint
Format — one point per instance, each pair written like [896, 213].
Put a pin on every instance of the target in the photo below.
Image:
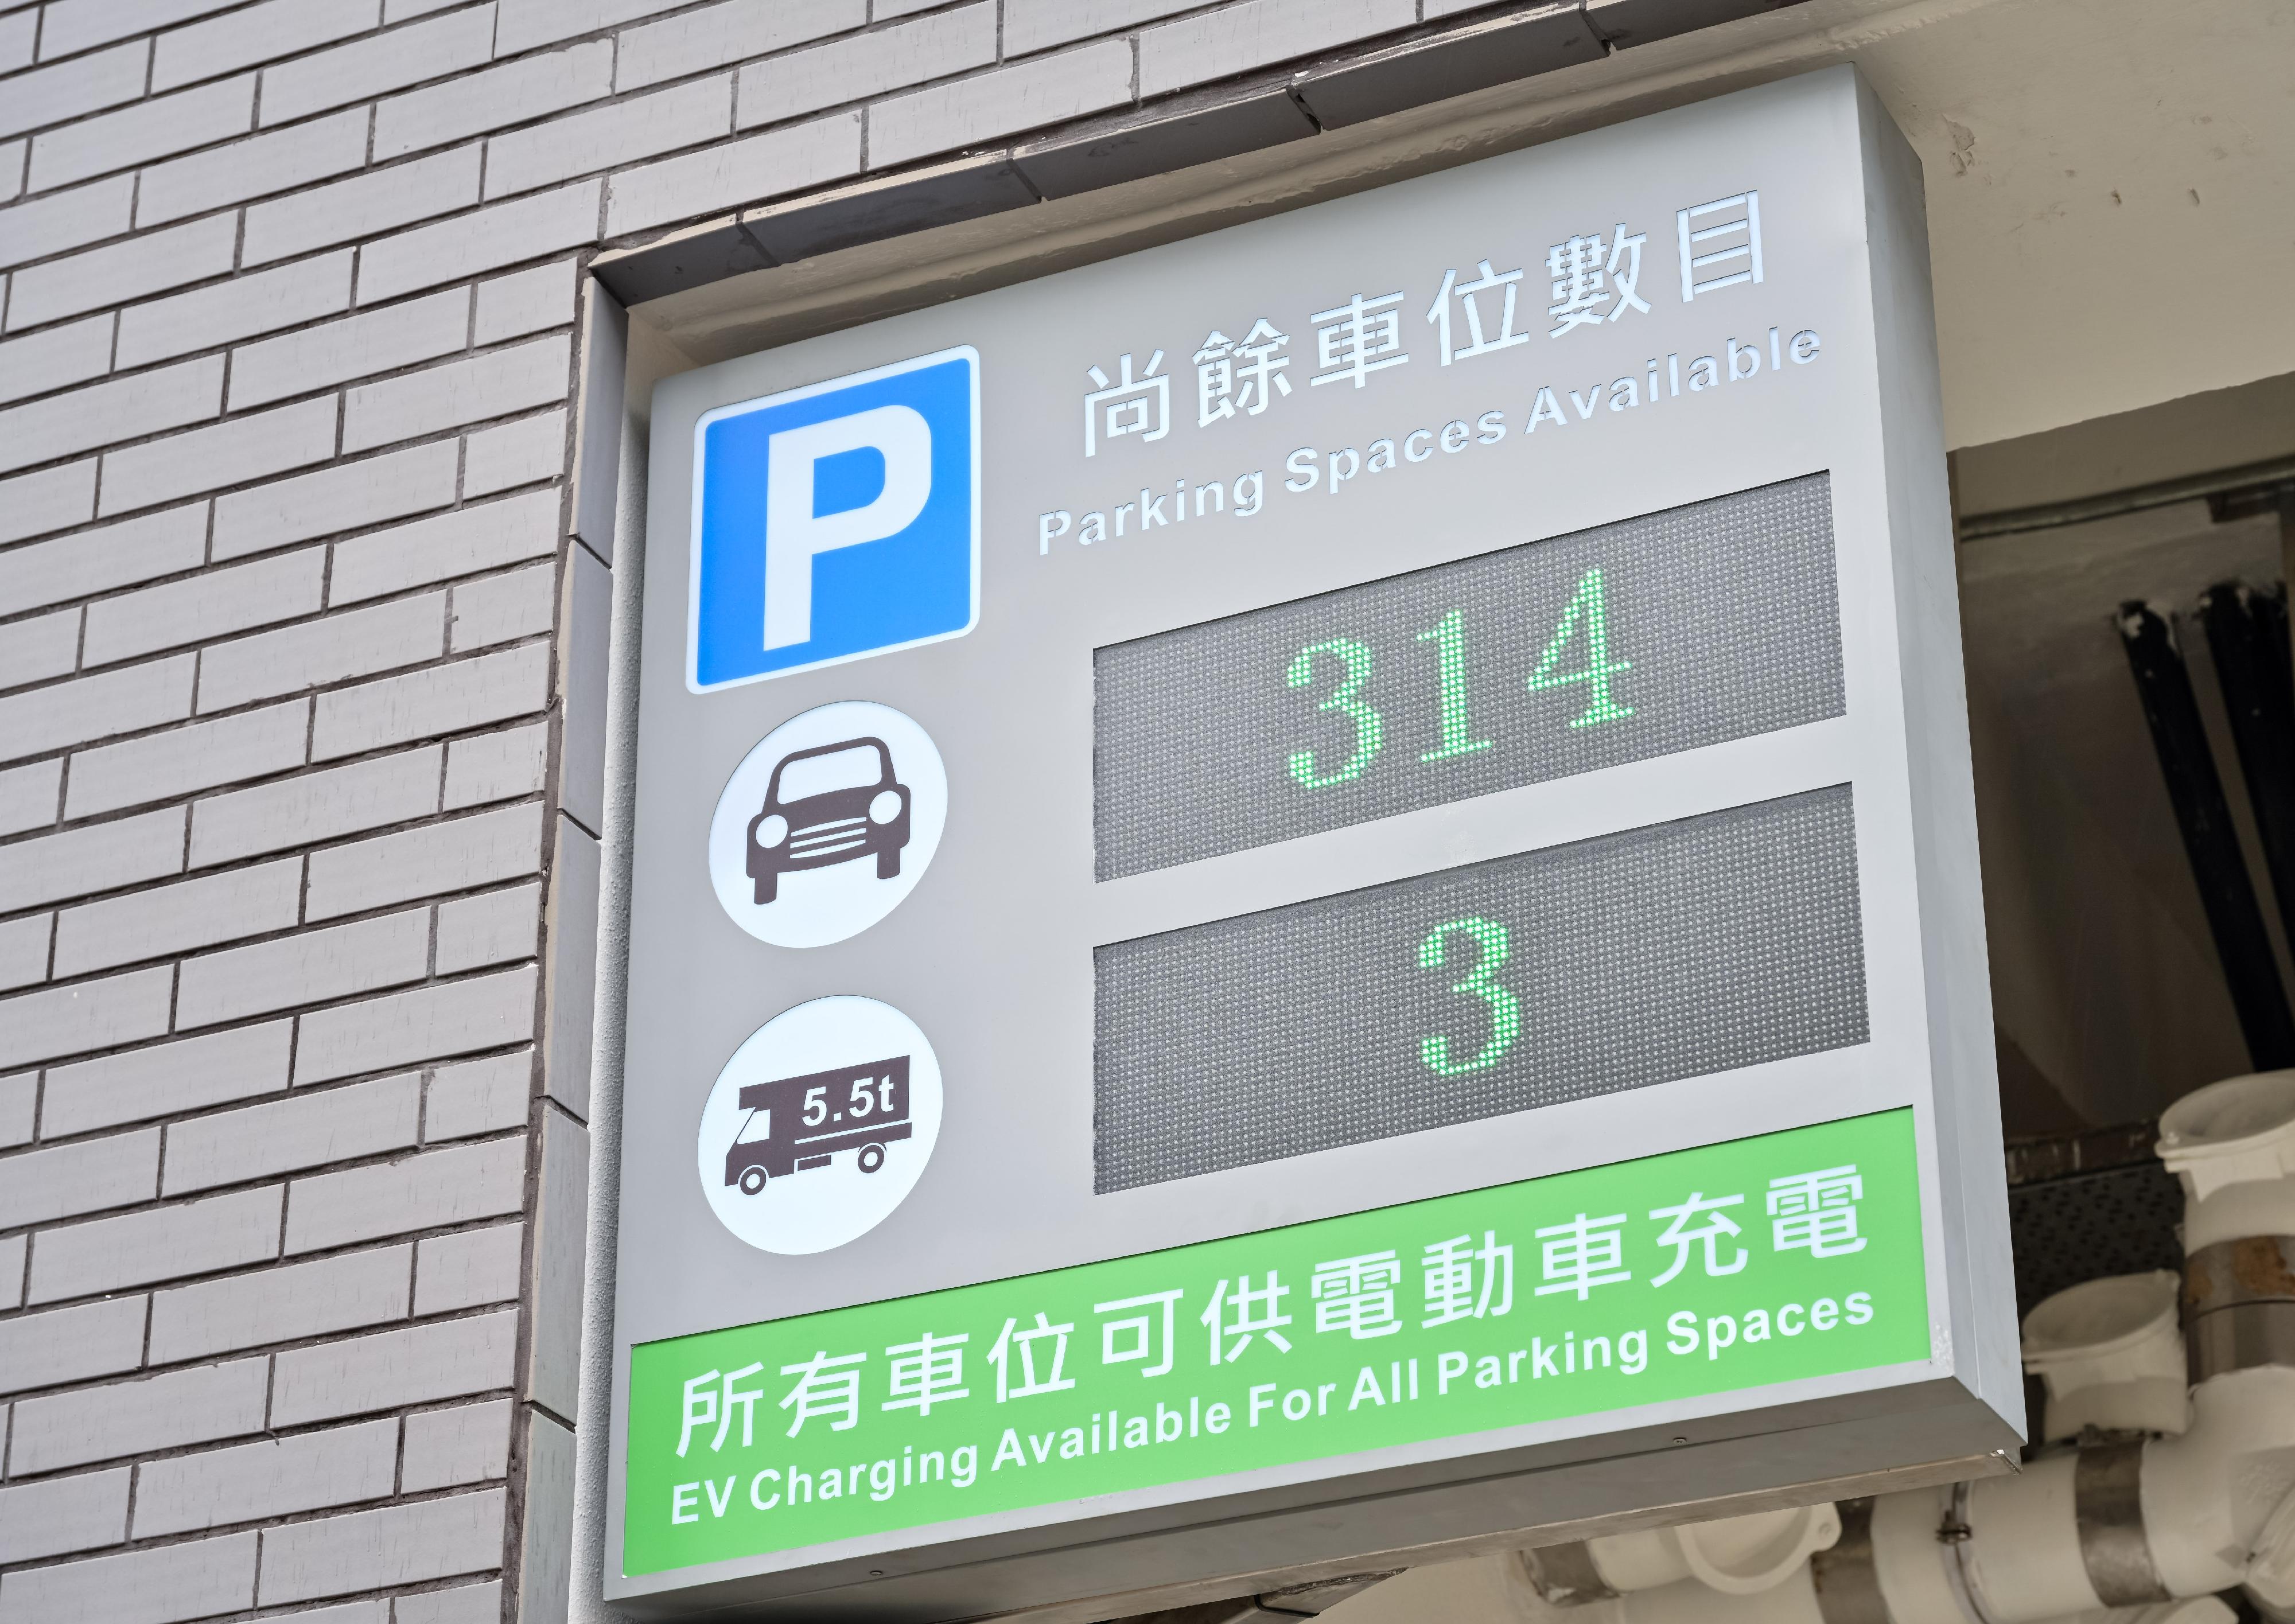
[2232, 1145]
[2110, 1352]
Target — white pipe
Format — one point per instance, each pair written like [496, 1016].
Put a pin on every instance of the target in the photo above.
[2271, 1573]
[2191, 1609]
[1689, 1601]
[2232, 1145]
[2194, 1495]
[1741, 1555]
[2177, 1515]
[2169, 1517]
[1795, 1601]
[1912, 1567]
[2023, 1550]
[2112, 1354]
[2205, 1499]
[2208, 1494]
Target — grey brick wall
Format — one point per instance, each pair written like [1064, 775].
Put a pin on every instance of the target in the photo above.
[302, 635]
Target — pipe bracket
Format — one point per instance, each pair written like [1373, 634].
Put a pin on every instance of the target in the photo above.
[1566, 1574]
[2252, 1269]
[1848, 1584]
[1958, 1539]
[2238, 1305]
[2108, 1511]
[2240, 1338]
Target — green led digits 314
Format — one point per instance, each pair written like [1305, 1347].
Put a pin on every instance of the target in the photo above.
[1583, 634]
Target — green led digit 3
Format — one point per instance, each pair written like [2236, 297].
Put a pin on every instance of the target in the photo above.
[1369, 730]
[1489, 937]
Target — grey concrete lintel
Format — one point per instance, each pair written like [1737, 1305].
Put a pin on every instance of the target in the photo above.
[1494, 51]
[891, 206]
[1520, 42]
[693, 257]
[1626, 23]
[1197, 128]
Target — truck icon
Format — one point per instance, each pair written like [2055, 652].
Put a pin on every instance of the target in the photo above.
[800, 1123]
[833, 803]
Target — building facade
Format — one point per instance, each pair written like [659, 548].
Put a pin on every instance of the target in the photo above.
[327, 334]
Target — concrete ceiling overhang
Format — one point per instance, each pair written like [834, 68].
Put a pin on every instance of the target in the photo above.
[2111, 207]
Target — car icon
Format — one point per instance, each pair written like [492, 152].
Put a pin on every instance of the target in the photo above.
[830, 804]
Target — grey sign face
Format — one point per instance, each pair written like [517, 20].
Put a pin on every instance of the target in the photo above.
[1621, 455]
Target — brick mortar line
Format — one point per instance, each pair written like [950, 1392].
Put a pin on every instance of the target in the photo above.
[232, 1440]
[304, 847]
[144, 887]
[374, 101]
[339, 685]
[368, 165]
[425, 1068]
[290, 1091]
[280, 1179]
[232, 637]
[665, 13]
[332, 842]
[238, 635]
[318, 1006]
[261, 939]
[458, 1057]
[37, 62]
[211, 564]
[273, 1350]
[239, 271]
[338, 462]
[262, 65]
[329, 842]
[432, 902]
[398, 1456]
[228, 350]
[133, 1544]
[1135, 101]
[388, 1500]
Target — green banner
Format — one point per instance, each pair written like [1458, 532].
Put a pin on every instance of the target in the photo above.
[1703, 1271]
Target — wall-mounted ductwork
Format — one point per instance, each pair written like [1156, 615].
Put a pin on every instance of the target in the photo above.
[2232, 1145]
[2165, 1471]
[2110, 1353]
[1731, 1556]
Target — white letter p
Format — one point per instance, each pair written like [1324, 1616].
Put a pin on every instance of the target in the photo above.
[793, 535]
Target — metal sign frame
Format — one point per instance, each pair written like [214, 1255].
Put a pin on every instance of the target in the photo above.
[992, 954]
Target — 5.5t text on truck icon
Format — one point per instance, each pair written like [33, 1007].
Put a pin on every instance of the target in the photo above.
[800, 1123]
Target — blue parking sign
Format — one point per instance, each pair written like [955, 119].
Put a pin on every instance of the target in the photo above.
[835, 521]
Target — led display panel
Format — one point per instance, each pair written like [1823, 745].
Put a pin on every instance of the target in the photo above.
[1672, 951]
[1693, 627]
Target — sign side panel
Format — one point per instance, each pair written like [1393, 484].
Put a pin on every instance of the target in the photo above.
[1972, 1174]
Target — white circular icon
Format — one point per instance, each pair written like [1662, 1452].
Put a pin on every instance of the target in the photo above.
[819, 1125]
[828, 824]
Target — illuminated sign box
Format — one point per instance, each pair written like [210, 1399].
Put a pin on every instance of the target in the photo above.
[1427, 923]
